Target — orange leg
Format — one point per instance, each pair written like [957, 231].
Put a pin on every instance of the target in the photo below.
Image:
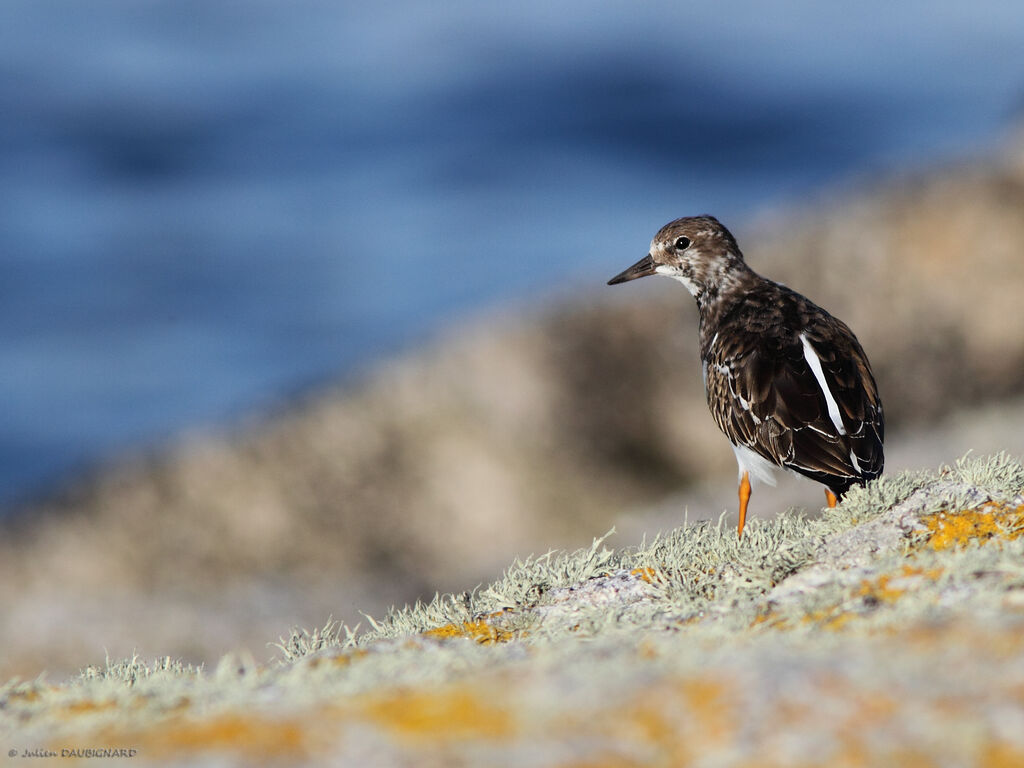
[831, 498]
[744, 499]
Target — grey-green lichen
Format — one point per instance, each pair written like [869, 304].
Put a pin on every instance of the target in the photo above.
[668, 652]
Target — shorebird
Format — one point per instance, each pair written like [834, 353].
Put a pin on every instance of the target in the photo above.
[787, 383]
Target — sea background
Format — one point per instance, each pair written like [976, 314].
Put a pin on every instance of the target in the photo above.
[207, 208]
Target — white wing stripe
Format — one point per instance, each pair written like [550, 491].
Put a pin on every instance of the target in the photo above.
[812, 360]
[856, 464]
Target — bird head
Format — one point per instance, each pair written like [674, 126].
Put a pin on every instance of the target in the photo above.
[697, 251]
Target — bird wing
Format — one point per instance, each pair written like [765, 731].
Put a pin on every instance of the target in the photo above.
[805, 400]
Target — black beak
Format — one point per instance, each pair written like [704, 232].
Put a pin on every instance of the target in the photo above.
[642, 268]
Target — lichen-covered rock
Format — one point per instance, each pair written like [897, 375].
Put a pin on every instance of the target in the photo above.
[889, 632]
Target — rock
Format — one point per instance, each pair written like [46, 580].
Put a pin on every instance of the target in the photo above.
[889, 630]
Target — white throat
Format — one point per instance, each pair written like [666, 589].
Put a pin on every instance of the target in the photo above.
[676, 274]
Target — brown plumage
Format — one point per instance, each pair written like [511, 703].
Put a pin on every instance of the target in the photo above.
[788, 384]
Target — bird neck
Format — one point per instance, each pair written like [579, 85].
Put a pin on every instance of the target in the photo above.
[722, 293]
[723, 285]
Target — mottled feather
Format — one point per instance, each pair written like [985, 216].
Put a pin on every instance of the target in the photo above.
[763, 394]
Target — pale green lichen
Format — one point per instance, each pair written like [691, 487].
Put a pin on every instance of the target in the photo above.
[692, 569]
[642, 624]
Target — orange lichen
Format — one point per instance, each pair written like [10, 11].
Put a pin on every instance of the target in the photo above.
[929, 573]
[770, 618]
[646, 574]
[339, 660]
[610, 760]
[880, 590]
[179, 705]
[453, 713]
[344, 659]
[710, 705]
[886, 588]
[249, 734]
[1001, 755]
[649, 722]
[999, 643]
[480, 631]
[87, 706]
[647, 650]
[873, 709]
[671, 722]
[955, 529]
[28, 695]
[889, 587]
[833, 618]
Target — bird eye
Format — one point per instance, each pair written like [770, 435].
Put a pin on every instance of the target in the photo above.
[682, 243]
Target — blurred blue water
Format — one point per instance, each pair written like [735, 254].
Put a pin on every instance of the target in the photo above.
[206, 205]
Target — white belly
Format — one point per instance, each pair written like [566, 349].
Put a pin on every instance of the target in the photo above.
[758, 467]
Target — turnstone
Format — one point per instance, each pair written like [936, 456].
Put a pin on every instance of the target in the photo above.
[788, 384]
